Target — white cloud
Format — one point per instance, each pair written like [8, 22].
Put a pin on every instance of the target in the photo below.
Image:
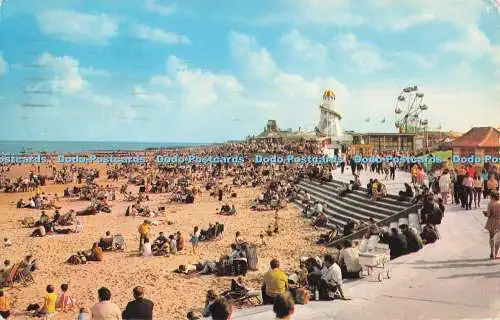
[154, 6]
[201, 88]
[161, 80]
[145, 98]
[474, 45]
[159, 35]
[303, 47]
[66, 73]
[91, 71]
[260, 62]
[292, 99]
[74, 26]
[383, 14]
[421, 61]
[463, 70]
[363, 55]
[3, 65]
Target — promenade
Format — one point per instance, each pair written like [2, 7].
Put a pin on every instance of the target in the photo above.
[451, 279]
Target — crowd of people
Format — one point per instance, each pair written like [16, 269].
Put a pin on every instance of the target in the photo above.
[314, 278]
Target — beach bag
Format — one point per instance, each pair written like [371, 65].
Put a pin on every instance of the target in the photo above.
[252, 258]
[302, 296]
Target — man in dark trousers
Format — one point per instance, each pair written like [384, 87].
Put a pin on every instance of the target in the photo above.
[139, 308]
[398, 244]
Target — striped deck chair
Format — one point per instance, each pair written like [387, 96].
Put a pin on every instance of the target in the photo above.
[12, 275]
[24, 276]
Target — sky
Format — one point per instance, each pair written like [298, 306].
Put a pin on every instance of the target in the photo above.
[211, 71]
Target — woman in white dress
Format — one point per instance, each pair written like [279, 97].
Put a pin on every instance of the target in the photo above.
[444, 185]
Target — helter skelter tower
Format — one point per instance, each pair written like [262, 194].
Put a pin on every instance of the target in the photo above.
[329, 121]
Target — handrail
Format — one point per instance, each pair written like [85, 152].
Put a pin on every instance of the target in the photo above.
[395, 217]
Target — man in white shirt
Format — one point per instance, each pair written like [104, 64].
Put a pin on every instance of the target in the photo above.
[349, 261]
[331, 279]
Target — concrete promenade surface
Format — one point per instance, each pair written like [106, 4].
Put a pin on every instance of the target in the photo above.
[450, 279]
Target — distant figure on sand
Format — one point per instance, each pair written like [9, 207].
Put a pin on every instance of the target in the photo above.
[195, 238]
[144, 231]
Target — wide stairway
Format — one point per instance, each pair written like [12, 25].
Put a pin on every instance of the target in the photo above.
[357, 206]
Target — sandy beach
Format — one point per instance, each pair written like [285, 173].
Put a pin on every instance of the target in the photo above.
[172, 294]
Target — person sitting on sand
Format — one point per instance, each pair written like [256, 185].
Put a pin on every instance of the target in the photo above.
[275, 282]
[65, 301]
[210, 298]
[28, 261]
[238, 239]
[96, 253]
[7, 243]
[83, 314]
[4, 306]
[161, 239]
[49, 302]
[269, 230]
[44, 218]
[262, 240]
[4, 273]
[172, 244]
[191, 316]
[320, 221]
[221, 309]
[106, 242]
[39, 231]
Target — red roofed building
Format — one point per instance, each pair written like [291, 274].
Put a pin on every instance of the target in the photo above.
[478, 141]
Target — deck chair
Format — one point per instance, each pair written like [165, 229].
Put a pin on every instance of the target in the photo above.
[12, 275]
[118, 242]
[24, 275]
[239, 295]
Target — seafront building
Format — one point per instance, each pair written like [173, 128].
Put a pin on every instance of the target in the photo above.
[329, 132]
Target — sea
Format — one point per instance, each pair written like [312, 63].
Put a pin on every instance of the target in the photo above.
[15, 147]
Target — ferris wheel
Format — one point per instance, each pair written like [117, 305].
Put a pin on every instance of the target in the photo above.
[409, 111]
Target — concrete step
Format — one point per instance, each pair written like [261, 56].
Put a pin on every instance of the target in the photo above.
[354, 201]
[336, 205]
[333, 220]
[390, 200]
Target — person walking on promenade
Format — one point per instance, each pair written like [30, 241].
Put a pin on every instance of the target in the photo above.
[493, 223]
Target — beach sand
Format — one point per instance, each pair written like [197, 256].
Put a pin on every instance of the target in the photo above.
[172, 294]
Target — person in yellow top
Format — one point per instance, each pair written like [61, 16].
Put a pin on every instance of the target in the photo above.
[144, 231]
[414, 171]
[4, 305]
[275, 282]
[49, 301]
